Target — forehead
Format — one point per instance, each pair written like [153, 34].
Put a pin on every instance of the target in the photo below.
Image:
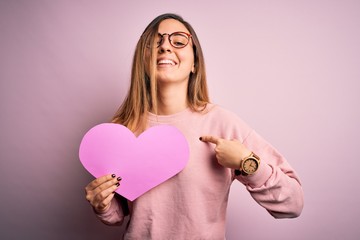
[171, 25]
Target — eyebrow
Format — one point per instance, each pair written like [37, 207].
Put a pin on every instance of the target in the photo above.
[173, 32]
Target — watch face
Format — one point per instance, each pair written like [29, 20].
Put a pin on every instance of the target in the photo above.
[250, 165]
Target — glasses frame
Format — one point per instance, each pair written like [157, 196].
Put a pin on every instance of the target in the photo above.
[188, 35]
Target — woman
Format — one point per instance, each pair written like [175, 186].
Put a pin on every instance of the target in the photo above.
[168, 86]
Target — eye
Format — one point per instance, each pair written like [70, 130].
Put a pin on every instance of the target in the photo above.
[179, 40]
[158, 39]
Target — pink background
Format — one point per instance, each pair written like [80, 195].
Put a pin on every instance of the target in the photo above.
[288, 68]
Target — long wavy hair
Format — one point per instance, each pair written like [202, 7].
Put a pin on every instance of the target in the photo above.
[142, 95]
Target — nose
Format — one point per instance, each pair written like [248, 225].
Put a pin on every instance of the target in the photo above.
[165, 45]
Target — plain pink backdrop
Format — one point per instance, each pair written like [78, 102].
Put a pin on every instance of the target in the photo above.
[290, 69]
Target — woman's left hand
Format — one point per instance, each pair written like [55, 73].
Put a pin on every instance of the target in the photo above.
[228, 152]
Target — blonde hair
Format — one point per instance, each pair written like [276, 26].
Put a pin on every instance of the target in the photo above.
[142, 95]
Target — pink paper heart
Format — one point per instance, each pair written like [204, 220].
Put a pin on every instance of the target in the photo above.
[143, 162]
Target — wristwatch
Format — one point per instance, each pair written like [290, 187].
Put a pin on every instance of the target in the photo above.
[248, 165]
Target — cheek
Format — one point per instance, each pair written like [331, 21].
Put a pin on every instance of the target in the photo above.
[187, 59]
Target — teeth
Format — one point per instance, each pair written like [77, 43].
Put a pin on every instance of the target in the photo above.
[166, 61]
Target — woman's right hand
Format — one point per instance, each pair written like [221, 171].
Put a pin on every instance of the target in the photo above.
[101, 191]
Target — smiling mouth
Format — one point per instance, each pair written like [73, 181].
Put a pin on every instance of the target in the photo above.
[166, 62]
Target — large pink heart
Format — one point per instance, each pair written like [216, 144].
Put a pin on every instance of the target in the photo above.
[143, 162]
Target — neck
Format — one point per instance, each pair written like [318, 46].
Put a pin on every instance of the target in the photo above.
[172, 98]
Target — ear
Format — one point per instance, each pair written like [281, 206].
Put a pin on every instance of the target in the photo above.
[193, 69]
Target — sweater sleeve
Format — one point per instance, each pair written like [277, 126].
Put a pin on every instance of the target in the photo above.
[275, 186]
[117, 212]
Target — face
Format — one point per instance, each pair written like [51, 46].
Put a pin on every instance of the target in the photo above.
[173, 64]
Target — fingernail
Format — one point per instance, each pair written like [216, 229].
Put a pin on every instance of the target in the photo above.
[200, 138]
[117, 184]
[119, 178]
[113, 175]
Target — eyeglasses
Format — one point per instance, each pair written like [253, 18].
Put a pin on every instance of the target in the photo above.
[176, 39]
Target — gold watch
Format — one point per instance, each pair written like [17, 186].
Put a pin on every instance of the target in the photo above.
[249, 165]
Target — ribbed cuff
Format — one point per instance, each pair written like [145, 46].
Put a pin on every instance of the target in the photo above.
[259, 178]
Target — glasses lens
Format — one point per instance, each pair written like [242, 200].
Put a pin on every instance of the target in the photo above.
[158, 40]
[179, 40]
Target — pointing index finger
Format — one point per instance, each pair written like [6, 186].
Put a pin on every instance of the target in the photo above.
[210, 139]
